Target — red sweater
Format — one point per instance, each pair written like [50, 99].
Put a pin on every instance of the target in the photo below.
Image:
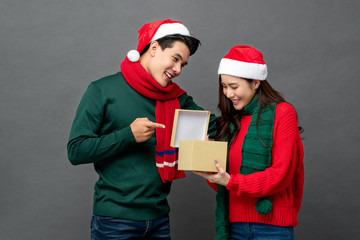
[282, 182]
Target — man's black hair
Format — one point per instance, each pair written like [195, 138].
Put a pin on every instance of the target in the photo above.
[168, 42]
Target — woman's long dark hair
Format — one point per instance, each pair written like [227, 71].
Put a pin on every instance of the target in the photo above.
[229, 115]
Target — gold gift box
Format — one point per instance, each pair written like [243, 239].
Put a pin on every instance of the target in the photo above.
[189, 134]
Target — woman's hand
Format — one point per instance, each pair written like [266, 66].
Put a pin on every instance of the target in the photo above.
[221, 177]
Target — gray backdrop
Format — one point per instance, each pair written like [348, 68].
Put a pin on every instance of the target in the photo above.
[51, 50]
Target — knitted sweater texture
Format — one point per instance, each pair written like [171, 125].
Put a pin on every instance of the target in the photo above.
[129, 184]
[282, 182]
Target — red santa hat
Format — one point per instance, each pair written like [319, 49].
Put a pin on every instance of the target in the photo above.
[156, 30]
[245, 62]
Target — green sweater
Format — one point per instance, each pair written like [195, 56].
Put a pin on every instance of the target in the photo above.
[129, 184]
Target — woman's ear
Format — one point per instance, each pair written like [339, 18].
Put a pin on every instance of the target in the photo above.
[256, 84]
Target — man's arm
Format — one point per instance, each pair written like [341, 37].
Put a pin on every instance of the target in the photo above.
[85, 144]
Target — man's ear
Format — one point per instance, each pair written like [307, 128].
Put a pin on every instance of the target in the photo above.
[154, 46]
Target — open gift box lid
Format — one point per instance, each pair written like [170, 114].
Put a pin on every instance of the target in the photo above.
[189, 125]
[188, 134]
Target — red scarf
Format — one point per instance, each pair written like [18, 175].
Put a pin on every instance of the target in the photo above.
[166, 103]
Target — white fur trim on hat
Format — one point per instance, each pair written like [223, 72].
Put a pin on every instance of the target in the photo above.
[133, 55]
[242, 69]
[170, 28]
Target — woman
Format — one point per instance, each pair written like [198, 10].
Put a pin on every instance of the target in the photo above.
[260, 195]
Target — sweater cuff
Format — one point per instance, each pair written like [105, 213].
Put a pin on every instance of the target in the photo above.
[233, 183]
[125, 135]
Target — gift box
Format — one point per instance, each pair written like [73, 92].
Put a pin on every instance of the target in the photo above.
[189, 134]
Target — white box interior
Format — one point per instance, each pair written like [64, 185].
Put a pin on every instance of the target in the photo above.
[191, 125]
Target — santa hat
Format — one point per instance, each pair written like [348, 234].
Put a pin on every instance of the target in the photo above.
[156, 30]
[245, 62]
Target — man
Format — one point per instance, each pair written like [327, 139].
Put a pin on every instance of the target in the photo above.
[114, 129]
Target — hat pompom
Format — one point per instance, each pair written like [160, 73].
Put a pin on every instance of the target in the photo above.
[133, 55]
[263, 206]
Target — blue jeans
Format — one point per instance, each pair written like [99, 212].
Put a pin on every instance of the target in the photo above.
[258, 231]
[106, 228]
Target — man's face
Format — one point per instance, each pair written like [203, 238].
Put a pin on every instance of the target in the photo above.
[164, 65]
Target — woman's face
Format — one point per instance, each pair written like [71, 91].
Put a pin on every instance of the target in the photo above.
[239, 90]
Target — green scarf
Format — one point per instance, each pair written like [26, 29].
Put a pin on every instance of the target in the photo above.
[255, 157]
